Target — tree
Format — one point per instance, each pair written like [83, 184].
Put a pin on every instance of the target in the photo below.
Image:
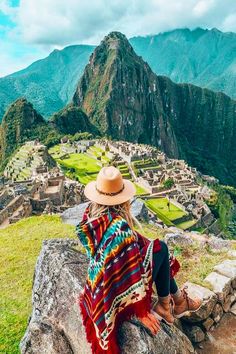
[168, 183]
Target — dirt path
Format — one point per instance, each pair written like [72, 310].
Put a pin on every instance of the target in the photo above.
[222, 340]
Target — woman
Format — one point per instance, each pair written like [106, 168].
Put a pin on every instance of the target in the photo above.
[123, 266]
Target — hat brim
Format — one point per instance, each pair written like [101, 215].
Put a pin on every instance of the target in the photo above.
[127, 193]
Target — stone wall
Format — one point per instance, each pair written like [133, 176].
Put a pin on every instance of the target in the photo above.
[216, 302]
[3, 215]
[38, 205]
[57, 196]
[11, 207]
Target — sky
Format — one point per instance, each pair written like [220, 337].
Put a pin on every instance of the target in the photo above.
[31, 29]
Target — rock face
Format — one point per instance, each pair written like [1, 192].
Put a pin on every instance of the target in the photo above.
[55, 326]
[126, 100]
[74, 215]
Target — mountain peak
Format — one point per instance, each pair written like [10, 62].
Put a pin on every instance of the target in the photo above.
[113, 43]
[114, 71]
[115, 35]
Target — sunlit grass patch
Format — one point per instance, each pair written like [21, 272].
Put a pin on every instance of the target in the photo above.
[20, 245]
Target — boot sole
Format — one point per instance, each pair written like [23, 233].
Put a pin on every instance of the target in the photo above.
[160, 318]
[185, 312]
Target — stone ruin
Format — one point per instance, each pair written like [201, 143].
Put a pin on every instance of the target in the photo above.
[31, 158]
[48, 194]
[132, 152]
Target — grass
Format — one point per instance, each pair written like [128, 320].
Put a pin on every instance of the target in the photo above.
[20, 245]
[140, 190]
[160, 208]
[196, 262]
[186, 224]
[85, 167]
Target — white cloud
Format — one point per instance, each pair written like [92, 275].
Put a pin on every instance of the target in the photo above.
[202, 7]
[229, 24]
[46, 24]
[7, 9]
[60, 22]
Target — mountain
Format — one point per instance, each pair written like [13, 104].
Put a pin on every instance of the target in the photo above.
[204, 57]
[21, 122]
[125, 100]
[71, 120]
[48, 83]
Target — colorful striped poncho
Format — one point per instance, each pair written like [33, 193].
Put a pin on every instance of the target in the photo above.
[119, 279]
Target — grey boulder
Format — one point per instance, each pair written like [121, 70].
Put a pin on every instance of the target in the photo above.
[55, 326]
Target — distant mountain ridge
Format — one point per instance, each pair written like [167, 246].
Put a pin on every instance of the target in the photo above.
[204, 57]
[48, 83]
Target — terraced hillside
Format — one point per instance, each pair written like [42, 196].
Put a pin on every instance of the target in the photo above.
[26, 160]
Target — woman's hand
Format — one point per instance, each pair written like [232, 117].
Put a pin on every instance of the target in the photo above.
[151, 322]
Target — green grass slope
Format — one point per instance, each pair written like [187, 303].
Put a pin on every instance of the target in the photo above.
[20, 245]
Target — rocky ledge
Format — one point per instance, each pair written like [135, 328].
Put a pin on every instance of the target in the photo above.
[55, 326]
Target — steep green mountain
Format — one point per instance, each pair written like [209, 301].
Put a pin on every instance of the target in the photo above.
[71, 120]
[20, 123]
[48, 83]
[126, 100]
[206, 58]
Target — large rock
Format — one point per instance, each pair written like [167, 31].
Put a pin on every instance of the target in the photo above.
[227, 268]
[139, 210]
[55, 326]
[218, 245]
[74, 215]
[208, 298]
[221, 284]
[178, 239]
[217, 312]
[195, 333]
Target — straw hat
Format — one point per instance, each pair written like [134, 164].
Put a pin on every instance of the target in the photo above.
[109, 188]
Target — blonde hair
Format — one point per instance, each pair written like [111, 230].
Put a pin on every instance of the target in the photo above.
[124, 210]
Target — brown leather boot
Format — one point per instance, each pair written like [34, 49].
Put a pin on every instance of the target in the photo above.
[163, 310]
[184, 304]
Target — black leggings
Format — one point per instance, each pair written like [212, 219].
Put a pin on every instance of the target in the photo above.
[161, 272]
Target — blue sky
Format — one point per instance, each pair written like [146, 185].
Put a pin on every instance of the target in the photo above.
[31, 29]
[15, 52]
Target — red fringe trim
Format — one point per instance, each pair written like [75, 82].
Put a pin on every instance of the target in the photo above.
[156, 245]
[138, 309]
[174, 267]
